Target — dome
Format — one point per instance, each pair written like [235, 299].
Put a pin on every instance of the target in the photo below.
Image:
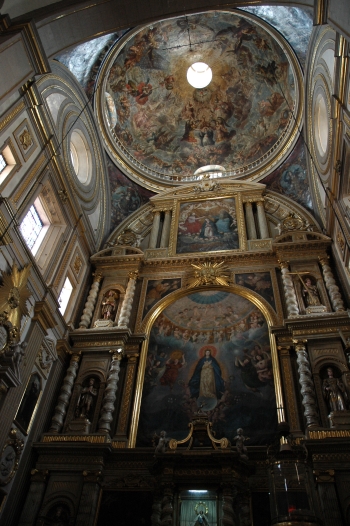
[164, 129]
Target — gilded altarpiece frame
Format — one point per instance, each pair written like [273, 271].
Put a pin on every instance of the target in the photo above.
[147, 324]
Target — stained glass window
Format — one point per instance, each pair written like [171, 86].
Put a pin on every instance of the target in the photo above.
[3, 163]
[31, 226]
[65, 295]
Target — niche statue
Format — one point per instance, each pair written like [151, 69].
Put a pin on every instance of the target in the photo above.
[310, 294]
[109, 305]
[86, 400]
[334, 392]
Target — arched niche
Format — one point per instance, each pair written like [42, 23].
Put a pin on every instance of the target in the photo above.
[238, 387]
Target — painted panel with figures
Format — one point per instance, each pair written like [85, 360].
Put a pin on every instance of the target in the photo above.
[211, 350]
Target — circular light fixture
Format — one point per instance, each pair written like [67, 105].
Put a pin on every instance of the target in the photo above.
[199, 75]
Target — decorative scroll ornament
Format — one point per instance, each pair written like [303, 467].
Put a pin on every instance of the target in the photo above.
[207, 185]
[210, 274]
[14, 294]
[129, 238]
[293, 222]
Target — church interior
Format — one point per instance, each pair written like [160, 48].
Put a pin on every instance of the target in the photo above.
[174, 263]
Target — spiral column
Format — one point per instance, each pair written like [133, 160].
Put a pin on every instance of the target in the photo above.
[307, 385]
[125, 311]
[333, 289]
[107, 410]
[65, 394]
[91, 302]
[289, 292]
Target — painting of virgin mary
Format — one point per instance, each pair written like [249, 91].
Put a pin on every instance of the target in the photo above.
[207, 384]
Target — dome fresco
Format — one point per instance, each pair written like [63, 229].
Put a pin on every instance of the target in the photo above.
[159, 127]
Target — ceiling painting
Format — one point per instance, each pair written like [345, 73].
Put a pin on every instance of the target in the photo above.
[164, 130]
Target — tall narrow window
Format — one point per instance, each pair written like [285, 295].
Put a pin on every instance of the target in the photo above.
[31, 226]
[66, 292]
[34, 226]
[3, 163]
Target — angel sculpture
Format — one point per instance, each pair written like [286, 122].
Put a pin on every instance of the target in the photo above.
[240, 439]
[162, 445]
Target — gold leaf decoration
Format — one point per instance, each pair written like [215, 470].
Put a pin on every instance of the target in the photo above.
[208, 273]
[14, 294]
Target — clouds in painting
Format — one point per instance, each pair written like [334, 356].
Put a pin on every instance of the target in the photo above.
[126, 196]
[209, 348]
[259, 282]
[207, 226]
[290, 178]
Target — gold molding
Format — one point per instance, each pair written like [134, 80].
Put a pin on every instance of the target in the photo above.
[6, 121]
[336, 433]
[92, 439]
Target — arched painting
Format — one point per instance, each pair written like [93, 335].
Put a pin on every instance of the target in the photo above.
[209, 349]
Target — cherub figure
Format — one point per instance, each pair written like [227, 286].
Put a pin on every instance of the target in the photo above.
[240, 439]
[162, 445]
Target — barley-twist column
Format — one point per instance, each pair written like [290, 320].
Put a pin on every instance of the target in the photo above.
[156, 509]
[167, 507]
[289, 292]
[249, 216]
[307, 385]
[164, 240]
[155, 230]
[65, 394]
[125, 311]
[91, 302]
[228, 515]
[264, 229]
[107, 410]
[333, 289]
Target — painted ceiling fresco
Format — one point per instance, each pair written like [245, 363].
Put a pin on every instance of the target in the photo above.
[126, 196]
[294, 23]
[209, 349]
[167, 126]
[290, 178]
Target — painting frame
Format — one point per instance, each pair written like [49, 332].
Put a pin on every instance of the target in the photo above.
[22, 426]
[198, 202]
[146, 326]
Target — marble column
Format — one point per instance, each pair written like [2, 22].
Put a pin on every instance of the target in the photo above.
[91, 302]
[250, 222]
[126, 309]
[107, 410]
[264, 229]
[34, 497]
[65, 394]
[166, 516]
[155, 230]
[333, 289]
[164, 240]
[289, 291]
[307, 385]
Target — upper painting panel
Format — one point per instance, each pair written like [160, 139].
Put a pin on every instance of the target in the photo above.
[161, 130]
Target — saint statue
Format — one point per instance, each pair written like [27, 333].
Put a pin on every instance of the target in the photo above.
[207, 381]
[334, 392]
[310, 294]
[201, 519]
[109, 305]
[239, 440]
[86, 399]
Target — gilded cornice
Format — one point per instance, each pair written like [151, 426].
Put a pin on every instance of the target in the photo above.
[43, 314]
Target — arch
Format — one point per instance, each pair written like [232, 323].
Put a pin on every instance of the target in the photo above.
[147, 324]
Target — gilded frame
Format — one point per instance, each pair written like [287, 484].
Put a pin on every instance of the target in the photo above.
[242, 237]
[146, 326]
